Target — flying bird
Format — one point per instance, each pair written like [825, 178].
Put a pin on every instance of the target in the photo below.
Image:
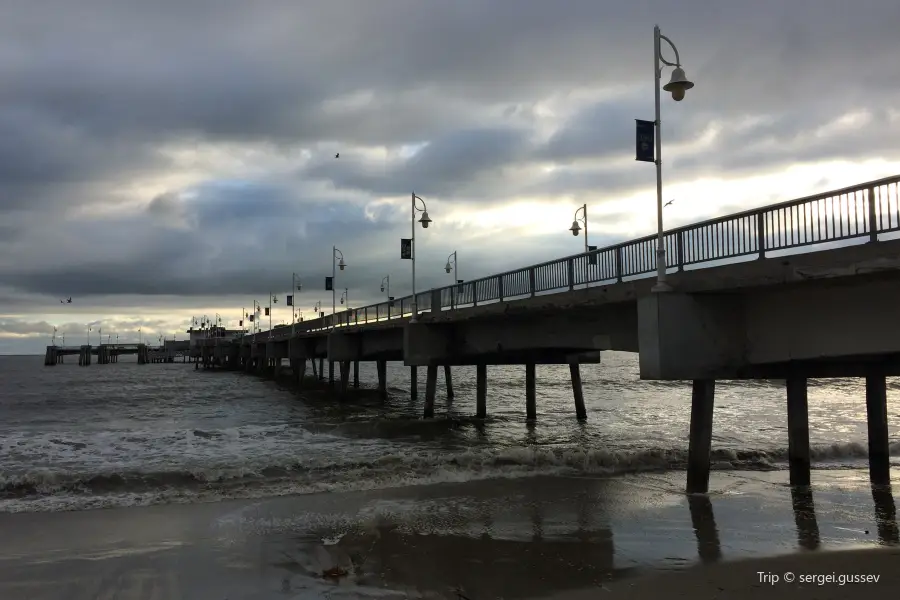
[69, 301]
[669, 202]
[338, 155]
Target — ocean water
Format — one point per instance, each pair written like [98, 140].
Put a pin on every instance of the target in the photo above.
[123, 434]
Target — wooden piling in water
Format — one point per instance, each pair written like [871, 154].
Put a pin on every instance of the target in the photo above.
[413, 383]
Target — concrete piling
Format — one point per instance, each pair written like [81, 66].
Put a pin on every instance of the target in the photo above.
[345, 377]
[798, 429]
[356, 374]
[703, 396]
[331, 374]
[879, 442]
[577, 391]
[530, 392]
[381, 366]
[413, 383]
[321, 368]
[430, 390]
[448, 379]
[481, 391]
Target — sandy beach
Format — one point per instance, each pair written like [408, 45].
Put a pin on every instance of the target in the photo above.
[539, 537]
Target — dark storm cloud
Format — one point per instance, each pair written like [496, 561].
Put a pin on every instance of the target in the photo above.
[94, 99]
[450, 164]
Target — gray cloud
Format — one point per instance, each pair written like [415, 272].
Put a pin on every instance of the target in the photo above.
[182, 154]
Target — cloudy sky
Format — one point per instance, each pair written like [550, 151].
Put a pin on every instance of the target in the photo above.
[160, 160]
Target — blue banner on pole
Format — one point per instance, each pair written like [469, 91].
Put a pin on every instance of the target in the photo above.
[645, 134]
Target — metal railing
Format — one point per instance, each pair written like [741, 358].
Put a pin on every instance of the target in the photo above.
[863, 210]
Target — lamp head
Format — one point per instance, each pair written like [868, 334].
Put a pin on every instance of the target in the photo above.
[342, 264]
[448, 267]
[425, 220]
[382, 288]
[678, 84]
[575, 228]
[342, 299]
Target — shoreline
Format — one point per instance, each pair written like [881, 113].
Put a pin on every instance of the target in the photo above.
[515, 538]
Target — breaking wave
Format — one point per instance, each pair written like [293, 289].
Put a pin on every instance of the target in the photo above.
[59, 489]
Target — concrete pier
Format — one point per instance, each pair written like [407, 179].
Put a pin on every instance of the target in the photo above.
[798, 430]
[413, 383]
[703, 396]
[356, 374]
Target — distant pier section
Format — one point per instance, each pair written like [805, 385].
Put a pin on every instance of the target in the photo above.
[110, 353]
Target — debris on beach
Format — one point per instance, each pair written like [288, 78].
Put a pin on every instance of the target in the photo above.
[334, 573]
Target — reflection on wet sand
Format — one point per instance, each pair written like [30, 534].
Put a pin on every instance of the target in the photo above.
[805, 517]
[704, 522]
[489, 554]
[885, 514]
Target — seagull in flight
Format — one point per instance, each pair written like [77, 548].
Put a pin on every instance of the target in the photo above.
[669, 202]
[69, 301]
[338, 155]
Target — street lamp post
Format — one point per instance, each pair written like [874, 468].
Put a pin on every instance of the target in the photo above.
[386, 283]
[677, 86]
[452, 266]
[345, 297]
[336, 255]
[296, 286]
[575, 229]
[425, 221]
[318, 309]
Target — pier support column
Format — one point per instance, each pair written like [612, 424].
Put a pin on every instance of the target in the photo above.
[798, 430]
[876, 411]
[345, 377]
[321, 368]
[356, 373]
[413, 383]
[448, 379]
[480, 391]
[577, 391]
[530, 392]
[703, 396]
[430, 389]
[331, 374]
[381, 366]
[315, 373]
[300, 373]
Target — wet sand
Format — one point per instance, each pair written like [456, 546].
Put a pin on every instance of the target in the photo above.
[870, 574]
[536, 537]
